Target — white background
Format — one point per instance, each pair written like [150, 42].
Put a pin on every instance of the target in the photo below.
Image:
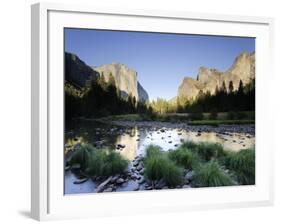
[15, 110]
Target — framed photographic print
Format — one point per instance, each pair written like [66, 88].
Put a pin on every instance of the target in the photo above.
[148, 111]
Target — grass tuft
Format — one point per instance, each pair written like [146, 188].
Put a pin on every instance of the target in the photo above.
[211, 175]
[81, 156]
[208, 151]
[152, 150]
[99, 163]
[158, 166]
[184, 157]
[243, 164]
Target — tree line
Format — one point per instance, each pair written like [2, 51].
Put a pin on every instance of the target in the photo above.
[100, 99]
[223, 100]
[103, 98]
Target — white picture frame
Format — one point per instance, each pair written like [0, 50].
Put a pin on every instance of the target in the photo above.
[48, 201]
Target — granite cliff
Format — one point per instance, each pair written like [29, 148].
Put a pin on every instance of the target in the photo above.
[79, 74]
[125, 78]
[208, 79]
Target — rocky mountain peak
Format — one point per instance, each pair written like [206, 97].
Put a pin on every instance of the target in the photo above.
[125, 78]
[79, 74]
[243, 68]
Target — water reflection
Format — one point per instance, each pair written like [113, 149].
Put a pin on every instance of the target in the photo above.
[135, 140]
[131, 143]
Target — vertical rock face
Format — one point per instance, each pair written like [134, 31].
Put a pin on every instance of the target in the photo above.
[76, 71]
[143, 96]
[243, 69]
[79, 74]
[125, 79]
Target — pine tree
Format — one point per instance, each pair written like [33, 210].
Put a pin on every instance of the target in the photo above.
[240, 88]
[223, 87]
[111, 80]
[230, 87]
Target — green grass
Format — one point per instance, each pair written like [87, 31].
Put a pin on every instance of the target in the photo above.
[242, 164]
[99, 163]
[211, 175]
[209, 162]
[184, 157]
[81, 156]
[208, 151]
[222, 118]
[189, 145]
[245, 117]
[124, 117]
[158, 166]
[205, 151]
[152, 150]
[218, 122]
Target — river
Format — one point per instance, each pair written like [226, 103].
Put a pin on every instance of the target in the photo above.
[134, 139]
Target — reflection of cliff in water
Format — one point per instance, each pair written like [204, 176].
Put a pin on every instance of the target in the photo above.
[131, 142]
[85, 131]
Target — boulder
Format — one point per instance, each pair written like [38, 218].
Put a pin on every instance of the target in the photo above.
[114, 178]
[139, 167]
[101, 187]
[80, 181]
[120, 181]
[141, 171]
[108, 189]
[141, 180]
[189, 175]
[160, 184]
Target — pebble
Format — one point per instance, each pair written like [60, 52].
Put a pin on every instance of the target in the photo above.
[80, 181]
[189, 175]
[141, 181]
[120, 181]
[108, 189]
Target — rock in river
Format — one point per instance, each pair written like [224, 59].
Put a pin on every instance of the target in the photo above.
[139, 167]
[189, 175]
[137, 187]
[141, 181]
[141, 171]
[80, 181]
[101, 187]
[136, 163]
[114, 178]
[120, 181]
[108, 189]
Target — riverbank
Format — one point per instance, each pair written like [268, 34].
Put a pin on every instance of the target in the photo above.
[188, 166]
[218, 126]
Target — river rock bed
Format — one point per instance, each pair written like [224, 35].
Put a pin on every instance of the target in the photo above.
[132, 180]
[131, 139]
[247, 128]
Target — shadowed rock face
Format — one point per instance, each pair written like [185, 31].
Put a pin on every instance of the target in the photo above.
[143, 95]
[125, 79]
[243, 69]
[77, 72]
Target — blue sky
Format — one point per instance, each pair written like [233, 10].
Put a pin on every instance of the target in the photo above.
[161, 60]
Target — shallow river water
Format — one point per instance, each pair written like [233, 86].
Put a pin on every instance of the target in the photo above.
[134, 141]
